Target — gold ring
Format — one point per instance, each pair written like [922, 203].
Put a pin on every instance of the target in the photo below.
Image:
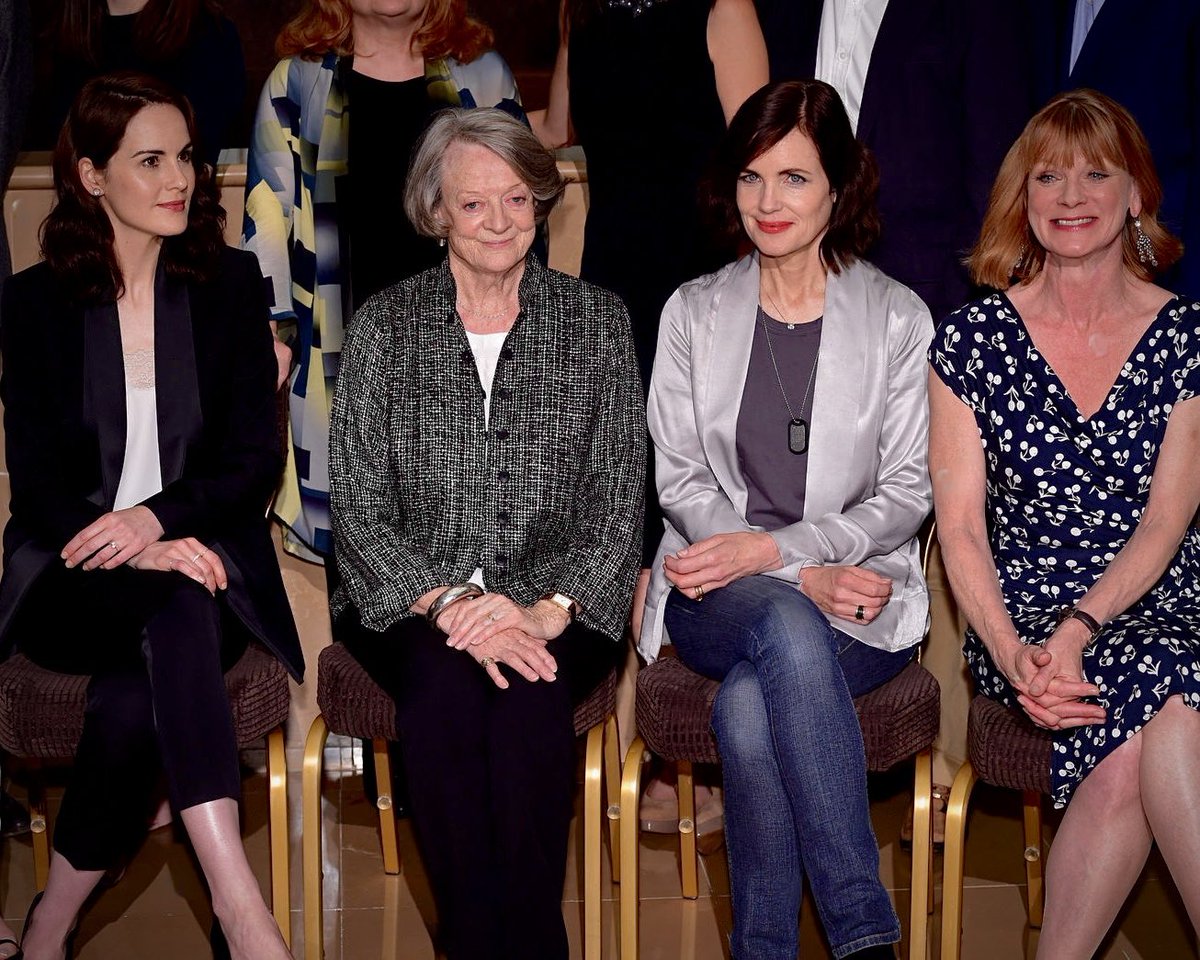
[699, 593]
[486, 662]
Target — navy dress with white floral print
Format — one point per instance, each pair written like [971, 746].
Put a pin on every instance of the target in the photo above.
[1064, 494]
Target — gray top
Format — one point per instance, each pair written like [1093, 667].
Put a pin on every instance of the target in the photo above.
[774, 475]
[545, 497]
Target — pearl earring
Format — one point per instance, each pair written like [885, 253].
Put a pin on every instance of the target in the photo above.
[95, 191]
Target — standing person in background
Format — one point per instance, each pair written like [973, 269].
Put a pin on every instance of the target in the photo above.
[937, 90]
[649, 87]
[185, 43]
[1086, 43]
[324, 197]
[16, 84]
[15, 87]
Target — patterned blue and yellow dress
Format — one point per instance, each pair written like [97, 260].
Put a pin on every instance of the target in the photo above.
[1064, 494]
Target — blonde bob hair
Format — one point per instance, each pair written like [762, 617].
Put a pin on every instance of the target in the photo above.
[1077, 123]
[507, 137]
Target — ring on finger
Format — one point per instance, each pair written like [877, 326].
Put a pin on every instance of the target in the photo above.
[699, 592]
[492, 618]
[197, 556]
[114, 546]
[487, 662]
[859, 613]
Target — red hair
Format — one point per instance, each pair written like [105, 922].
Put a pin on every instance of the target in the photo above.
[324, 26]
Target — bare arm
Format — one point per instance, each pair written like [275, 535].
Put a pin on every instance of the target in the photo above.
[553, 125]
[738, 52]
[957, 470]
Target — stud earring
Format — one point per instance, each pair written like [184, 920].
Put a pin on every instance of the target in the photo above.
[1145, 249]
[95, 191]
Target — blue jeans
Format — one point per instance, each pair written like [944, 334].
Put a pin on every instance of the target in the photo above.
[793, 762]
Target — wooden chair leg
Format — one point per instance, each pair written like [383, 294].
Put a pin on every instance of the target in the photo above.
[687, 830]
[281, 903]
[1033, 857]
[952, 861]
[387, 819]
[38, 826]
[612, 788]
[922, 856]
[313, 879]
[593, 771]
[631, 790]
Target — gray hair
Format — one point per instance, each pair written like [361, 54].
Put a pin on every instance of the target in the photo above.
[508, 138]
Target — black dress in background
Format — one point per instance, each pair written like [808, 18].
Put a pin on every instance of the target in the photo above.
[645, 109]
[209, 71]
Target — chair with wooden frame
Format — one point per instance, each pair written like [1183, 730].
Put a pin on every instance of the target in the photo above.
[673, 706]
[41, 718]
[353, 705]
[1005, 750]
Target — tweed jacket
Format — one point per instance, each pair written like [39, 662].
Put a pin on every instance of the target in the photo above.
[298, 153]
[867, 488]
[547, 497]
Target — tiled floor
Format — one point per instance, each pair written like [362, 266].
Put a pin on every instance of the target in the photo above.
[159, 909]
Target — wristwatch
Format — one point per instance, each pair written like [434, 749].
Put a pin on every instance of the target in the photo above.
[569, 604]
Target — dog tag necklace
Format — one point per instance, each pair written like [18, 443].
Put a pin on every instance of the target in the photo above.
[797, 428]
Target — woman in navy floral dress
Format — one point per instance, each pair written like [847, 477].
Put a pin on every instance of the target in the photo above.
[1063, 451]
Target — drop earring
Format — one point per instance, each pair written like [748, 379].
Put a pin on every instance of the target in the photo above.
[1145, 249]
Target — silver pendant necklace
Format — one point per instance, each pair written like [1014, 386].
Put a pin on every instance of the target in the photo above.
[797, 428]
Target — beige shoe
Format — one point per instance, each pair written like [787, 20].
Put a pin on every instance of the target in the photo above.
[938, 799]
[661, 815]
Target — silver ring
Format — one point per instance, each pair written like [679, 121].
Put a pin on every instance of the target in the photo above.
[486, 662]
[197, 556]
[858, 613]
[113, 545]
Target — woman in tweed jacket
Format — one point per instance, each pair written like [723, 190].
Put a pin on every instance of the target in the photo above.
[314, 213]
[486, 464]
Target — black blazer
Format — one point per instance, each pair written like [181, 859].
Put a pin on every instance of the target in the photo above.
[948, 90]
[1145, 54]
[63, 390]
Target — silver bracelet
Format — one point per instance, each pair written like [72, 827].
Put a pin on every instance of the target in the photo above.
[449, 597]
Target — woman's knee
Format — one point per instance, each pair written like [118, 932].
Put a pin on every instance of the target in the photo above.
[120, 712]
[739, 717]
[1114, 786]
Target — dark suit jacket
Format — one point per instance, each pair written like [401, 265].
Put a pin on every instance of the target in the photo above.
[947, 92]
[1145, 54]
[63, 390]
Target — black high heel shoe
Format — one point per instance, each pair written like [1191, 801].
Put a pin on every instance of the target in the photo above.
[70, 941]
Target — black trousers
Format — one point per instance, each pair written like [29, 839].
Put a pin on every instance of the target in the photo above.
[157, 646]
[491, 781]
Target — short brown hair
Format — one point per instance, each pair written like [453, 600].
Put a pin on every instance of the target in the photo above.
[813, 108]
[323, 26]
[508, 138]
[1077, 123]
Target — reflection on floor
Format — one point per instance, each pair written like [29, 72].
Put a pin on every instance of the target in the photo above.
[159, 909]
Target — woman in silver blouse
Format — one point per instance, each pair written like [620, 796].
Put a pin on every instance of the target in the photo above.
[487, 458]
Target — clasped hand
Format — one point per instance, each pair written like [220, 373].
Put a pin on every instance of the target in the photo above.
[495, 629]
[131, 536]
[1049, 680]
[719, 560]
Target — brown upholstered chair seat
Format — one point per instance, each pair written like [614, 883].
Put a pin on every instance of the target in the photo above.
[354, 705]
[41, 711]
[1006, 749]
[674, 713]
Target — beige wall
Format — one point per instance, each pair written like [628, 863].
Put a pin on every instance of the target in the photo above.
[26, 203]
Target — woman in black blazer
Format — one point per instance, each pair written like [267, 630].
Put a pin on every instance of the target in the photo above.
[138, 391]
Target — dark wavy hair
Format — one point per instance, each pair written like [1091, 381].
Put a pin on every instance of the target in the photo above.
[813, 108]
[161, 29]
[77, 235]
